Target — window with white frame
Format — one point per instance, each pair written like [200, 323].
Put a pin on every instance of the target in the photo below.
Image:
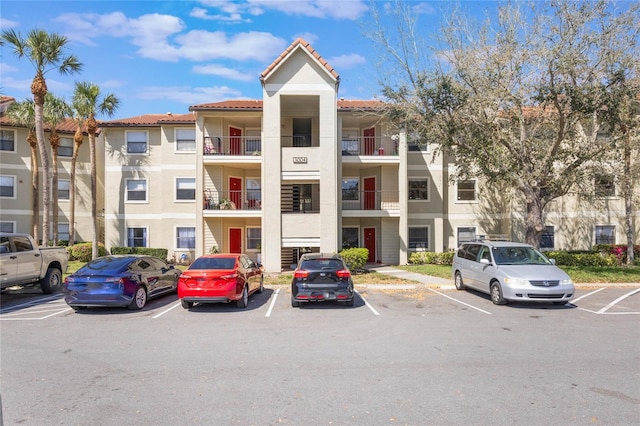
[547, 238]
[7, 186]
[419, 189]
[136, 237]
[185, 189]
[419, 238]
[8, 227]
[605, 186]
[137, 142]
[64, 186]
[65, 149]
[254, 238]
[8, 140]
[467, 190]
[63, 232]
[186, 237]
[350, 189]
[350, 238]
[186, 140]
[136, 190]
[605, 234]
[254, 192]
[466, 234]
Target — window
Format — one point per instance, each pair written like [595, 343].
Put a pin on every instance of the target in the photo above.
[186, 189]
[605, 186]
[8, 227]
[350, 238]
[65, 149]
[7, 186]
[136, 237]
[416, 144]
[63, 189]
[186, 140]
[302, 198]
[606, 234]
[185, 237]
[350, 189]
[254, 193]
[136, 142]
[419, 189]
[63, 232]
[467, 190]
[7, 140]
[419, 238]
[466, 234]
[547, 239]
[254, 238]
[136, 190]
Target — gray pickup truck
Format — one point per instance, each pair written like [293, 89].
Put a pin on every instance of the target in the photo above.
[23, 263]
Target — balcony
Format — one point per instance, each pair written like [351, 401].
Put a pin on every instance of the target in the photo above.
[232, 145]
[370, 203]
[247, 200]
[369, 146]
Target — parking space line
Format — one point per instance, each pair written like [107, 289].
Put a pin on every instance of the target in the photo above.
[30, 303]
[273, 302]
[459, 301]
[619, 299]
[366, 303]
[573, 302]
[166, 310]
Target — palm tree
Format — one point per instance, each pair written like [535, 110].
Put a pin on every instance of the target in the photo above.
[56, 110]
[23, 114]
[45, 51]
[89, 102]
[78, 138]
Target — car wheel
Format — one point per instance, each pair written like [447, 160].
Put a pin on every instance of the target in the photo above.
[51, 281]
[458, 281]
[261, 288]
[294, 303]
[496, 294]
[185, 304]
[139, 299]
[244, 300]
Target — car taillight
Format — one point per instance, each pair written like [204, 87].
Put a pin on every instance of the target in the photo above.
[114, 280]
[301, 273]
[229, 277]
[343, 273]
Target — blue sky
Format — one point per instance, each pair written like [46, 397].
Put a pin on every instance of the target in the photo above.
[162, 56]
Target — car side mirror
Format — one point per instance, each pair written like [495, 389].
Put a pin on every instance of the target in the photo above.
[485, 261]
[553, 261]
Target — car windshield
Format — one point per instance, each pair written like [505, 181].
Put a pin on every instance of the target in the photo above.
[519, 255]
[107, 263]
[214, 263]
[322, 264]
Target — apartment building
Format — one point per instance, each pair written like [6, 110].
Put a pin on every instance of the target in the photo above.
[304, 170]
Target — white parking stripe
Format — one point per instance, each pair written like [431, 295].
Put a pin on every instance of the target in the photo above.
[367, 303]
[619, 299]
[273, 302]
[459, 301]
[166, 310]
[30, 303]
[573, 302]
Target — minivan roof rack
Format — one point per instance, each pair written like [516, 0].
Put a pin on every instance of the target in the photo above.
[492, 237]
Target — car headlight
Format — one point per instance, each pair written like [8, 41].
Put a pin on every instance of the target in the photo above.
[516, 281]
[568, 281]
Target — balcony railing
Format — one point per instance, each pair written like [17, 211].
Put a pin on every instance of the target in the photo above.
[369, 145]
[232, 145]
[370, 200]
[248, 199]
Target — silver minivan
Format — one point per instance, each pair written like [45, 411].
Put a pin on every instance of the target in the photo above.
[510, 271]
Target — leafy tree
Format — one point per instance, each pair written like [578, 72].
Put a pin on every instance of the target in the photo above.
[23, 114]
[519, 102]
[88, 102]
[45, 51]
[56, 111]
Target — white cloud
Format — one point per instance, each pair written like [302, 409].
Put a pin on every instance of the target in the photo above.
[203, 45]
[188, 95]
[308, 37]
[221, 71]
[6, 68]
[346, 61]
[5, 24]
[201, 13]
[331, 9]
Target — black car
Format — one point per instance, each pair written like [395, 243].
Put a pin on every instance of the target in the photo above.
[321, 277]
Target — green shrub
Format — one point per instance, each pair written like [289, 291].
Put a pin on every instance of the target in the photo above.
[147, 251]
[355, 258]
[594, 258]
[431, 258]
[82, 251]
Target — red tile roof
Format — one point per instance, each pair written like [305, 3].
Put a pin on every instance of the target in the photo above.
[151, 120]
[256, 105]
[303, 44]
[66, 127]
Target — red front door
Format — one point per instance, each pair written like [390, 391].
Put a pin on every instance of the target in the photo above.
[369, 141]
[235, 191]
[235, 141]
[370, 243]
[370, 193]
[235, 240]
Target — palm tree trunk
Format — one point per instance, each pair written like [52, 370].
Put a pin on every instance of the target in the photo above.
[35, 186]
[91, 129]
[54, 141]
[46, 168]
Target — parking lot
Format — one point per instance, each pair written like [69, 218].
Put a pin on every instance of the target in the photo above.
[404, 354]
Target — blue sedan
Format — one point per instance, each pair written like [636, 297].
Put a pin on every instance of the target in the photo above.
[121, 281]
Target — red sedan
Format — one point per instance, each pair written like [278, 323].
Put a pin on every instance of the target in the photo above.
[218, 278]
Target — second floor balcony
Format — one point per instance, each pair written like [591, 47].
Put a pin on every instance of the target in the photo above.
[370, 200]
[232, 145]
